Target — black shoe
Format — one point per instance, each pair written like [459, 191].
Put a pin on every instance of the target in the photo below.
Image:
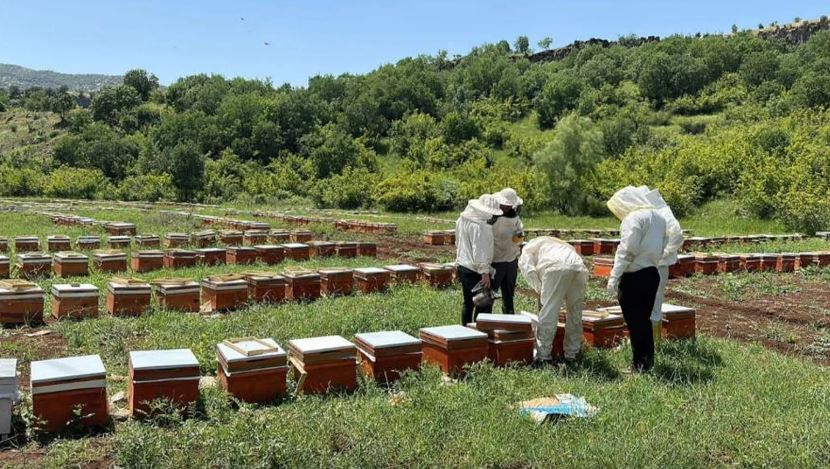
[541, 364]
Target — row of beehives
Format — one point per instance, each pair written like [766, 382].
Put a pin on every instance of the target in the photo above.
[202, 239]
[710, 264]
[256, 370]
[31, 265]
[360, 226]
[22, 302]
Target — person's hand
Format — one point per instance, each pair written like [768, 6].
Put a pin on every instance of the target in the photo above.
[485, 280]
[612, 287]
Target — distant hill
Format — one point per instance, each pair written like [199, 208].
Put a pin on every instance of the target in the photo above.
[22, 77]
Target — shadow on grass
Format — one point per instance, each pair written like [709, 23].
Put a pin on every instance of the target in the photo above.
[595, 364]
[686, 362]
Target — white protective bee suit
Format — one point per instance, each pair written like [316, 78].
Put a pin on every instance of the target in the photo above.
[553, 269]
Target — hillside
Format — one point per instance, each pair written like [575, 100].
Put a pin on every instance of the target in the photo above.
[22, 77]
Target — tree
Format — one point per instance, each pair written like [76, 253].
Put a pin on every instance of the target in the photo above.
[144, 83]
[187, 167]
[560, 94]
[759, 67]
[545, 43]
[331, 149]
[522, 45]
[61, 104]
[109, 103]
[734, 29]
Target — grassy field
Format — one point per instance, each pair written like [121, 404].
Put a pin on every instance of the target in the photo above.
[710, 402]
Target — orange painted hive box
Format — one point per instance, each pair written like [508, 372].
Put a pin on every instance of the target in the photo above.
[254, 237]
[584, 247]
[120, 228]
[729, 263]
[26, 243]
[787, 262]
[171, 376]
[385, 355]
[403, 273]
[678, 322]
[322, 248]
[177, 294]
[604, 246]
[5, 266]
[176, 240]
[684, 267]
[371, 279]
[346, 249]
[211, 256]
[119, 242]
[21, 302]
[74, 300]
[4, 244]
[147, 241]
[34, 264]
[367, 249]
[203, 239]
[297, 251]
[109, 261]
[302, 285]
[264, 287]
[270, 254]
[60, 386]
[706, 264]
[436, 238]
[604, 328]
[180, 258]
[437, 275]
[603, 266]
[301, 236]
[806, 259]
[70, 264]
[241, 255]
[751, 262]
[58, 243]
[769, 262]
[128, 297]
[323, 363]
[147, 260]
[224, 292]
[279, 236]
[88, 243]
[231, 237]
[510, 337]
[252, 370]
[336, 282]
[451, 348]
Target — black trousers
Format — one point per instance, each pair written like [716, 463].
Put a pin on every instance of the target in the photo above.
[469, 279]
[637, 292]
[505, 282]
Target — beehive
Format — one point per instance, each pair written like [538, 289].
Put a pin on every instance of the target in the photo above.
[176, 240]
[437, 275]
[297, 251]
[452, 348]
[678, 322]
[403, 273]
[70, 264]
[584, 247]
[728, 263]
[604, 246]
[510, 337]
[436, 238]
[128, 297]
[706, 264]
[241, 255]
[371, 279]
[119, 242]
[21, 302]
[265, 287]
[120, 228]
[26, 243]
[33, 264]
[302, 285]
[57, 243]
[604, 328]
[323, 363]
[384, 355]
[603, 266]
[4, 266]
[231, 237]
[4, 244]
[270, 254]
[171, 376]
[61, 386]
[346, 249]
[336, 282]
[322, 248]
[252, 370]
[367, 249]
[8, 393]
[254, 237]
[109, 261]
[806, 259]
[301, 236]
[279, 236]
[74, 300]
[177, 294]
[180, 258]
[203, 239]
[224, 292]
[147, 241]
[212, 256]
[684, 267]
[769, 262]
[88, 243]
[147, 260]
[787, 262]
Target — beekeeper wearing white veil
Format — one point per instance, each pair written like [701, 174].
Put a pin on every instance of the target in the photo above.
[557, 273]
[669, 258]
[634, 277]
[474, 250]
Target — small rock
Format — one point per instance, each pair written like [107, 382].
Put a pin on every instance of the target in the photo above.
[39, 333]
[207, 382]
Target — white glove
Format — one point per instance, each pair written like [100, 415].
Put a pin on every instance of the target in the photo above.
[612, 287]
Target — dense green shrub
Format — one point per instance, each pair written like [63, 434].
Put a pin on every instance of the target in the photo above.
[147, 187]
[417, 191]
[349, 190]
[76, 183]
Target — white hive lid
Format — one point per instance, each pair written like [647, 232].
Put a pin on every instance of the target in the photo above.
[64, 288]
[454, 332]
[401, 268]
[386, 339]
[60, 369]
[268, 246]
[670, 308]
[295, 245]
[370, 270]
[162, 359]
[8, 371]
[329, 343]
[233, 356]
[504, 318]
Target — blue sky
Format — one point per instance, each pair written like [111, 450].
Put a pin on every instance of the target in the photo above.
[176, 38]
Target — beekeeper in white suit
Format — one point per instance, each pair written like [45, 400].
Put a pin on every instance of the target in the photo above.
[634, 277]
[557, 273]
[669, 258]
[508, 232]
[474, 250]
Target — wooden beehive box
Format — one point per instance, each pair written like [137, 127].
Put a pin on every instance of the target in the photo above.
[88, 243]
[70, 264]
[168, 375]
[436, 238]
[367, 249]
[252, 370]
[787, 262]
[270, 254]
[584, 247]
[241, 255]
[110, 261]
[147, 260]
[371, 279]
[21, 302]
[604, 328]
[128, 297]
[231, 237]
[510, 337]
[212, 256]
[147, 241]
[74, 300]
[323, 363]
[302, 285]
[26, 243]
[120, 229]
[254, 237]
[55, 243]
[301, 236]
[345, 249]
[180, 258]
[265, 287]
[279, 236]
[603, 266]
[34, 264]
[452, 348]
[297, 251]
[224, 292]
[384, 355]
[336, 282]
[61, 386]
[176, 240]
[204, 239]
[678, 322]
[8, 393]
[119, 242]
[706, 264]
[437, 275]
[403, 273]
[177, 294]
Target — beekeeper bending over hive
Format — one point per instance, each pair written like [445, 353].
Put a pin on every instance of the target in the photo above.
[556, 272]
[669, 258]
[634, 278]
[474, 250]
